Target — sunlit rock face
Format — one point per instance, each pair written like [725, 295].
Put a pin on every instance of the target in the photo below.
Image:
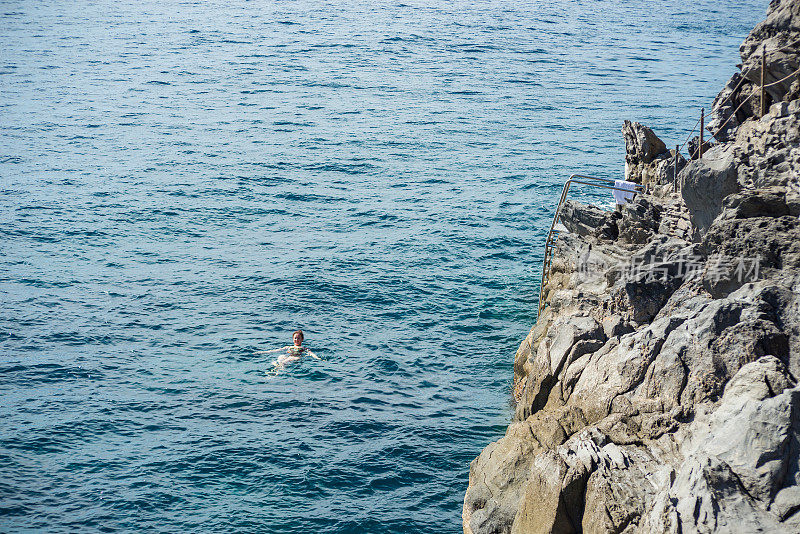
[658, 390]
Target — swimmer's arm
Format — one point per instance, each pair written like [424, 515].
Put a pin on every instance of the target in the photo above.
[313, 355]
[271, 351]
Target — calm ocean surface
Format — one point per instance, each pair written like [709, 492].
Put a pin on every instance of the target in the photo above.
[182, 183]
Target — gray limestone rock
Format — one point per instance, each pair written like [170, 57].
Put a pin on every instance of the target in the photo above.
[658, 390]
[650, 277]
[705, 183]
[567, 339]
[777, 35]
[543, 508]
[609, 230]
[766, 202]
[767, 151]
[736, 95]
[693, 147]
[786, 502]
[750, 249]
[706, 496]
[641, 144]
[664, 169]
[582, 219]
[615, 326]
[740, 460]
[752, 433]
[642, 150]
[639, 221]
[496, 482]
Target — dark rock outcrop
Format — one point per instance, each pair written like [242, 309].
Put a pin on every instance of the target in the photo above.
[644, 153]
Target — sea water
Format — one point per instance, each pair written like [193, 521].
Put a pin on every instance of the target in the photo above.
[184, 183]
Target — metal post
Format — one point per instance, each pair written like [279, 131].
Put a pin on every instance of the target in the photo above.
[675, 178]
[763, 76]
[702, 125]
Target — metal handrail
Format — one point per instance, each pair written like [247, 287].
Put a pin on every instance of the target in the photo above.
[603, 183]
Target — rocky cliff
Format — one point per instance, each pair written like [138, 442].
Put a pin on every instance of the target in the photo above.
[658, 390]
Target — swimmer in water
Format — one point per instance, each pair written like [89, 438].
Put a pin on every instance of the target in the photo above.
[293, 352]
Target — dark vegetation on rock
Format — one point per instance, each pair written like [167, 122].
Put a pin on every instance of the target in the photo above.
[658, 390]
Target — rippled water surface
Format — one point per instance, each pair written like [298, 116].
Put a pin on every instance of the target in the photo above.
[182, 183]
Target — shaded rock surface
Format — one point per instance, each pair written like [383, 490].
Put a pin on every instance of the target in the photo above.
[658, 390]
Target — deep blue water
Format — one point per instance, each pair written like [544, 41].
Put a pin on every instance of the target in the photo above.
[184, 182]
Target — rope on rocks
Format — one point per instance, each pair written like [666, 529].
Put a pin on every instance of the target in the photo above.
[738, 85]
[782, 79]
[735, 89]
[690, 136]
[714, 134]
[735, 111]
[731, 95]
[784, 47]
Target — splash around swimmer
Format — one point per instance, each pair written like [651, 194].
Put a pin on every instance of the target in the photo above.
[293, 352]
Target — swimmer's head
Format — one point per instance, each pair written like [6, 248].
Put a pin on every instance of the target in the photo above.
[297, 338]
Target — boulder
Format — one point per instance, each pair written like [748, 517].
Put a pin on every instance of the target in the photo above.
[496, 481]
[745, 250]
[649, 278]
[713, 343]
[616, 326]
[641, 144]
[609, 230]
[740, 472]
[705, 183]
[589, 484]
[767, 151]
[616, 369]
[766, 202]
[664, 169]
[752, 433]
[694, 144]
[543, 509]
[706, 496]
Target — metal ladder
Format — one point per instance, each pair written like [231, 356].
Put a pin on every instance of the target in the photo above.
[603, 183]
